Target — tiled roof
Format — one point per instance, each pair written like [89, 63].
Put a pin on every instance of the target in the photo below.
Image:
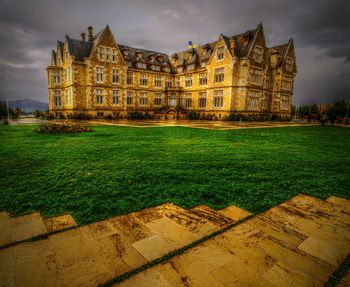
[78, 48]
[281, 49]
[81, 49]
[146, 56]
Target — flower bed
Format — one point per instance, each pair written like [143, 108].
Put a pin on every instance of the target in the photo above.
[64, 127]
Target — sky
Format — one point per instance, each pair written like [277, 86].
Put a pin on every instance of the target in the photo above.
[29, 30]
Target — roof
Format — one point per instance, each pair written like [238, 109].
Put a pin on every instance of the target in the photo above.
[82, 49]
[281, 50]
[78, 48]
[145, 56]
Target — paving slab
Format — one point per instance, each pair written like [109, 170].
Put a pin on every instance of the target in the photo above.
[152, 247]
[235, 213]
[298, 243]
[6, 232]
[59, 222]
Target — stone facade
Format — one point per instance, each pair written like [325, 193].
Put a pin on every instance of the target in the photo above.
[233, 75]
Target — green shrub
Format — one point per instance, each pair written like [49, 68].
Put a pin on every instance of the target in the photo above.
[193, 116]
[64, 127]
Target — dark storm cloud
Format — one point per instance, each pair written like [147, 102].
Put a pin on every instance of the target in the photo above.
[30, 29]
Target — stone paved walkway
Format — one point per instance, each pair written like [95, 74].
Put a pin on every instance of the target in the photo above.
[93, 254]
[298, 243]
[201, 124]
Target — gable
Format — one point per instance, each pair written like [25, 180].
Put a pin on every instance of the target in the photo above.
[106, 39]
[257, 44]
[223, 41]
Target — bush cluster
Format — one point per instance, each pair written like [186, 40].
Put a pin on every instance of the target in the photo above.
[65, 127]
[256, 117]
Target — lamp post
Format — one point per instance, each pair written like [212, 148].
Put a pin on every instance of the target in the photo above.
[347, 111]
[8, 110]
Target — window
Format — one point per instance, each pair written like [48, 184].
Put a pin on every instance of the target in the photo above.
[253, 100]
[129, 78]
[158, 81]
[129, 98]
[143, 98]
[219, 75]
[168, 83]
[143, 80]
[100, 53]
[188, 81]
[179, 69]
[265, 102]
[191, 67]
[220, 53]
[267, 81]
[99, 74]
[155, 67]
[69, 94]
[218, 98]
[177, 81]
[289, 64]
[284, 104]
[173, 100]
[141, 65]
[114, 55]
[188, 100]
[115, 78]
[158, 99]
[203, 64]
[99, 97]
[166, 69]
[287, 83]
[57, 77]
[115, 97]
[57, 99]
[256, 76]
[258, 54]
[202, 102]
[107, 54]
[203, 80]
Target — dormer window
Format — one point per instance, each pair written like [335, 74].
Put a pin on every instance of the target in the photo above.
[125, 52]
[289, 64]
[220, 53]
[100, 53]
[107, 54]
[166, 69]
[160, 59]
[141, 65]
[155, 68]
[190, 67]
[258, 54]
[139, 54]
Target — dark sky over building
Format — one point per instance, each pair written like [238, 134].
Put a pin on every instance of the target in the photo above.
[29, 30]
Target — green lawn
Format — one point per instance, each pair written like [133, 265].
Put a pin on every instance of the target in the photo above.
[116, 170]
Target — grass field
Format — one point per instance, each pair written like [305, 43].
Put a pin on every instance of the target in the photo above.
[116, 170]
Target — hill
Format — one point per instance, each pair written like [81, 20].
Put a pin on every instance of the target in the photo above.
[27, 105]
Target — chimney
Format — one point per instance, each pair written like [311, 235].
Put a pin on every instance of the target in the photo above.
[233, 46]
[273, 58]
[90, 34]
[83, 36]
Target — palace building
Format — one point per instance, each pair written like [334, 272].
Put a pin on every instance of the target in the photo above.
[99, 77]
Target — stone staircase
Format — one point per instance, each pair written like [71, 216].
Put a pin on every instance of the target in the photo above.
[300, 242]
[55, 252]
